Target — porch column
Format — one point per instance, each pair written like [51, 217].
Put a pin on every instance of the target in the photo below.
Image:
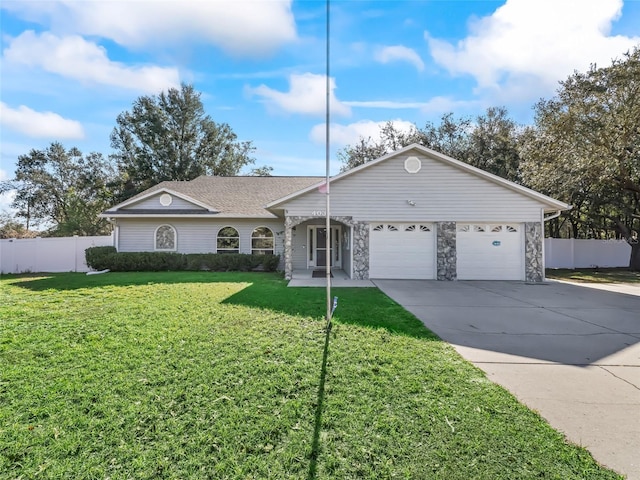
[288, 249]
[360, 232]
[446, 251]
[533, 238]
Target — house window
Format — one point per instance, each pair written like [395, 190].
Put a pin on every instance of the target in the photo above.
[165, 238]
[228, 240]
[262, 241]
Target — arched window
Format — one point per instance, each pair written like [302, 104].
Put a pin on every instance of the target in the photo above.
[262, 241]
[228, 240]
[165, 238]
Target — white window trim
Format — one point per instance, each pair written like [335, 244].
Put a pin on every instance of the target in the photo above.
[175, 239]
[227, 250]
[273, 238]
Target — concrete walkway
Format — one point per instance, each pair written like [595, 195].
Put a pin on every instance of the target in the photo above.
[567, 351]
[304, 278]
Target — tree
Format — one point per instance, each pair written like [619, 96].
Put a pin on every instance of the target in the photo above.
[585, 150]
[169, 137]
[494, 144]
[10, 227]
[62, 189]
[263, 171]
[490, 143]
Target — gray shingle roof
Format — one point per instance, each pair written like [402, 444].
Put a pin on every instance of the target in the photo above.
[236, 196]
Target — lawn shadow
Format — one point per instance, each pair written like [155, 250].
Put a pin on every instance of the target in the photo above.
[365, 307]
[317, 424]
[75, 281]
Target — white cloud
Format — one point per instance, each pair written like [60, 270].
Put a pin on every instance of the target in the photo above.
[39, 124]
[77, 58]
[306, 95]
[342, 135]
[534, 43]
[248, 28]
[437, 104]
[399, 53]
[6, 198]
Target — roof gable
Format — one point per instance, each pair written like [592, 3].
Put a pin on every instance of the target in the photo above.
[153, 199]
[551, 203]
[232, 197]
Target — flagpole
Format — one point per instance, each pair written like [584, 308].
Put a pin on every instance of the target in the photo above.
[329, 239]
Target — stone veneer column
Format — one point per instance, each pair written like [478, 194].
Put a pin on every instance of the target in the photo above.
[446, 250]
[289, 223]
[360, 232]
[288, 249]
[533, 265]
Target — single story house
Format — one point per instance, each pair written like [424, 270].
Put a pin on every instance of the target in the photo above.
[411, 214]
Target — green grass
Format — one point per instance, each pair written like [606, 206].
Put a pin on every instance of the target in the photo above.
[595, 275]
[232, 376]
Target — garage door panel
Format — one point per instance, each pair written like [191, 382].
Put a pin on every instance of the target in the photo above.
[490, 252]
[401, 251]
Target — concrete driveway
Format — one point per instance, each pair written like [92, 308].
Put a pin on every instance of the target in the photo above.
[569, 352]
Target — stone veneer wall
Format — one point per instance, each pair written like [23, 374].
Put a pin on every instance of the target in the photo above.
[359, 230]
[533, 264]
[360, 263]
[446, 250]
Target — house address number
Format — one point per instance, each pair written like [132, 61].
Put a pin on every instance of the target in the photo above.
[319, 213]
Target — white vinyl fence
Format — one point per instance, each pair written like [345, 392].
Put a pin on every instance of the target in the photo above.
[66, 254]
[572, 253]
[56, 254]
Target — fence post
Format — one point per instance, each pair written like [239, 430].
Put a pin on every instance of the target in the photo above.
[75, 253]
[573, 254]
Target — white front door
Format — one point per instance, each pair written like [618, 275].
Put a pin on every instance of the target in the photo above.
[318, 244]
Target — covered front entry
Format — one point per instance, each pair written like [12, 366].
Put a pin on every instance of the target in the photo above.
[306, 245]
[402, 250]
[319, 244]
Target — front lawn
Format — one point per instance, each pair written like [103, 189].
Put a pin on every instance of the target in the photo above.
[206, 375]
[595, 275]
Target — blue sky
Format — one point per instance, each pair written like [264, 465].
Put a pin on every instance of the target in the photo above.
[69, 67]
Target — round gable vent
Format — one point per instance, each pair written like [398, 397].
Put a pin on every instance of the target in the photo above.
[165, 199]
[412, 164]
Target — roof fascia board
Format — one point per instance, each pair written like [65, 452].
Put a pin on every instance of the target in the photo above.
[159, 215]
[183, 215]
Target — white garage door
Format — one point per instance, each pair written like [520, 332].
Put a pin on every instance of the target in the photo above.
[402, 250]
[490, 251]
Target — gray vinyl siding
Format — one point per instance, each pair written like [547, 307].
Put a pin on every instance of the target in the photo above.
[153, 202]
[441, 192]
[194, 235]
